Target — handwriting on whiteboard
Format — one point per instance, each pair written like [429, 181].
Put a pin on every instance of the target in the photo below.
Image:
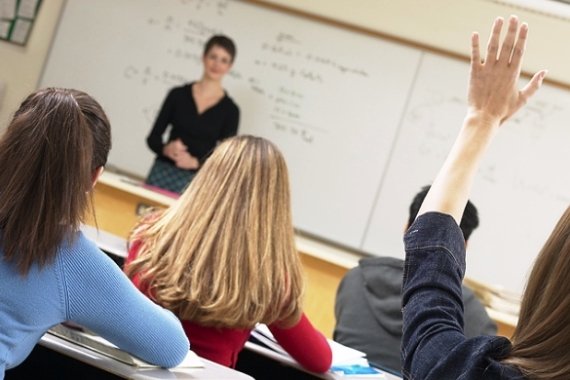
[437, 117]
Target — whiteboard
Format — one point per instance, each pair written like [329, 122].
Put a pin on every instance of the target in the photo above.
[522, 187]
[331, 99]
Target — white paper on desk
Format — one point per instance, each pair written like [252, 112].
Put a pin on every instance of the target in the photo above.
[190, 361]
[346, 355]
[341, 354]
[262, 333]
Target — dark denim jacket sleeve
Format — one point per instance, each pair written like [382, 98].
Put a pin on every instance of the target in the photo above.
[434, 345]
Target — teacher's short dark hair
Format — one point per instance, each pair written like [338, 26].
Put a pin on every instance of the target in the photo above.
[222, 41]
[469, 220]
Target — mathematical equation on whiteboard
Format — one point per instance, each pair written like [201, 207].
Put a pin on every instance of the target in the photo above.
[285, 74]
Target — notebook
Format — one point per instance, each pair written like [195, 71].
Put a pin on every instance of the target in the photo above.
[346, 362]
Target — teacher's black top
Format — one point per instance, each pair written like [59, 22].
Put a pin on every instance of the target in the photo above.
[199, 132]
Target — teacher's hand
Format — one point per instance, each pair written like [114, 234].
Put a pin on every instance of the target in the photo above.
[186, 161]
[174, 148]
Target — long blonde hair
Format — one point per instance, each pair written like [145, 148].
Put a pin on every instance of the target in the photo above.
[542, 335]
[224, 255]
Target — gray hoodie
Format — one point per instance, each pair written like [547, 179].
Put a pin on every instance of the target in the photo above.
[368, 311]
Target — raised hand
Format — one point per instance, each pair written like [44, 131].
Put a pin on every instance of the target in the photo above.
[493, 97]
[493, 84]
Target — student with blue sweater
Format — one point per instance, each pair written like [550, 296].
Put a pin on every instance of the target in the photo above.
[50, 158]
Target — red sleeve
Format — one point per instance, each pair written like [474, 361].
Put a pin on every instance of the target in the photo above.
[305, 344]
[133, 253]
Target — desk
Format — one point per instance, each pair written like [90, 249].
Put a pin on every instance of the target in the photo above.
[98, 366]
[259, 361]
[106, 241]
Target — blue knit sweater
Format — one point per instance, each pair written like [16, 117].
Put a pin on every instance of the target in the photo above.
[84, 286]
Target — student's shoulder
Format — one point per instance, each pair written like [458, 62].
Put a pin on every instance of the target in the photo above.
[381, 261]
[374, 272]
[79, 252]
[85, 269]
[377, 266]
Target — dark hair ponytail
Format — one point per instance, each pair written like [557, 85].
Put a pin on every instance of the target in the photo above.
[47, 161]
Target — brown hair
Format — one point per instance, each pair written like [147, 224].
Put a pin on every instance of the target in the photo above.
[224, 255]
[542, 335]
[48, 154]
[224, 42]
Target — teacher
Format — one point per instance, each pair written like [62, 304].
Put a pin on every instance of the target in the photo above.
[200, 114]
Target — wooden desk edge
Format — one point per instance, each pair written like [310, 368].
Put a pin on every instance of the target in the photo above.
[328, 253]
[129, 185]
[210, 370]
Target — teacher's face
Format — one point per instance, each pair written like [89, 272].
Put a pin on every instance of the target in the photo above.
[217, 62]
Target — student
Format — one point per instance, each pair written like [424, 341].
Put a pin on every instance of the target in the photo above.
[368, 306]
[51, 155]
[434, 345]
[223, 257]
[200, 114]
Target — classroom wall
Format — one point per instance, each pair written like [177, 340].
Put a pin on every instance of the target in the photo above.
[21, 66]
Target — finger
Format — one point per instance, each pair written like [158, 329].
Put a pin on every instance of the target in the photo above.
[533, 85]
[527, 92]
[494, 38]
[509, 41]
[475, 52]
[520, 47]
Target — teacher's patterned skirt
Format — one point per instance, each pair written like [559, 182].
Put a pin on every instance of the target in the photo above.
[168, 177]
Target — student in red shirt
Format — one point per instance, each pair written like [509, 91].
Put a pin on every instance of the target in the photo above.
[223, 258]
